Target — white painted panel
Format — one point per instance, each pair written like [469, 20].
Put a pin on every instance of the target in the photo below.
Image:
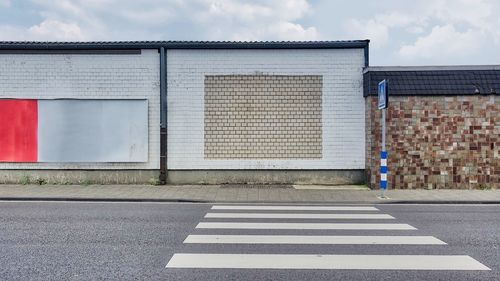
[92, 131]
[364, 262]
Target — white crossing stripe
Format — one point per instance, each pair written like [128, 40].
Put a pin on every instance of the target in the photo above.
[295, 208]
[299, 239]
[369, 262]
[260, 225]
[297, 216]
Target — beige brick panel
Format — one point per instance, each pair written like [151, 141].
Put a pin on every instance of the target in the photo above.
[263, 117]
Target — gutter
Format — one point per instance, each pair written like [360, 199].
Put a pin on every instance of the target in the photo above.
[163, 117]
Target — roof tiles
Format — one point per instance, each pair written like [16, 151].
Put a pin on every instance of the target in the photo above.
[435, 82]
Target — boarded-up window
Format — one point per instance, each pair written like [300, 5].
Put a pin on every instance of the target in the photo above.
[263, 116]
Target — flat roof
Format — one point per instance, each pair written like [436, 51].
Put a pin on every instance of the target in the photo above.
[38, 45]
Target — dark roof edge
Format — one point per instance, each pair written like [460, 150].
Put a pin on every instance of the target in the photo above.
[4, 45]
[431, 68]
[437, 94]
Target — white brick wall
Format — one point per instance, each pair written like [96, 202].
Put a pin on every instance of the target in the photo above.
[86, 77]
[343, 103]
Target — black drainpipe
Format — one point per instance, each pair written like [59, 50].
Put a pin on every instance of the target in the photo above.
[163, 117]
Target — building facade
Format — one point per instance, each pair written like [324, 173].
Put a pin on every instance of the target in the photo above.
[443, 126]
[211, 112]
[240, 112]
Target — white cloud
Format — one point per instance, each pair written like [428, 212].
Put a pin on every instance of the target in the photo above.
[256, 20]
[11, 33]
[57, 31]
[244, 12]
[48, 30]
[378, 33]
[476, 13]
[396, 19]
[291, 9]
[460, 28]
[292, 31]
[401, 31]
[278, 31]
[430, 29]
[378, 28]
[149, 19]
[415, 29]
[443, 41]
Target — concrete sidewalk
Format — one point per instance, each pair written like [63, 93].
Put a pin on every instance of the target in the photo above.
[242, 193]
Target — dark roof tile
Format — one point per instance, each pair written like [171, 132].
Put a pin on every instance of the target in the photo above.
[434, 82]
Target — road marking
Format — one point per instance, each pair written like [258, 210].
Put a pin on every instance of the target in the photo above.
[250, 225]
[387, 262]
[299, 239]
[295, 208]
[297, 216]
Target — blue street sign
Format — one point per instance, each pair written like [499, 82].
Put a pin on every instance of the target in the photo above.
[383, 97]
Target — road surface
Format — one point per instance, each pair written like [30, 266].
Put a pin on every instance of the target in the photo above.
[183, 241]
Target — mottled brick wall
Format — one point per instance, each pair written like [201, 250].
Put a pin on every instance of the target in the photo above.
[436, 142]
[263, 116]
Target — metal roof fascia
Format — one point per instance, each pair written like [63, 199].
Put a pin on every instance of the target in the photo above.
[268, 45]
[183, 45]
[76, 46]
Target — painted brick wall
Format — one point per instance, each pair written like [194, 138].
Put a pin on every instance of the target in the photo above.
[436, 142]
[343, 121]
[86, 77]
[263, 116]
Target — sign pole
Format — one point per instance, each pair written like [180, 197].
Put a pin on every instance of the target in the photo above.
[383, 159]
[383, 103]
[383, 129]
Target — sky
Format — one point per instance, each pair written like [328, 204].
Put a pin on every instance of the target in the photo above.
[402, 32]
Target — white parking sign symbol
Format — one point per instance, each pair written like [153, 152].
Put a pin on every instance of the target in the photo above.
[382, 94]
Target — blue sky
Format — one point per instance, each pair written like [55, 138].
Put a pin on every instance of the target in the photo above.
[402, 32]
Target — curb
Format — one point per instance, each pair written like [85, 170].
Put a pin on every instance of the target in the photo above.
[80, 199]
[422, 202]
[174, 200]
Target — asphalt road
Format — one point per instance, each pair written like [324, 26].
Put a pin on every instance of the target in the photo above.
[135, 241]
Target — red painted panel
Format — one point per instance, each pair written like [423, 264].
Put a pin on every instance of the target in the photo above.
[18, 130]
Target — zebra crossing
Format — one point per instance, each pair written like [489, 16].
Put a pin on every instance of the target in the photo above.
[272, 218]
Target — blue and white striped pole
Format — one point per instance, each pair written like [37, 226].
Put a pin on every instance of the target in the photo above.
[383, 102]
[383, 173]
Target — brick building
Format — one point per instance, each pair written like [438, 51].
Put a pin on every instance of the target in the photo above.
[443, 126]
[239, 112]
